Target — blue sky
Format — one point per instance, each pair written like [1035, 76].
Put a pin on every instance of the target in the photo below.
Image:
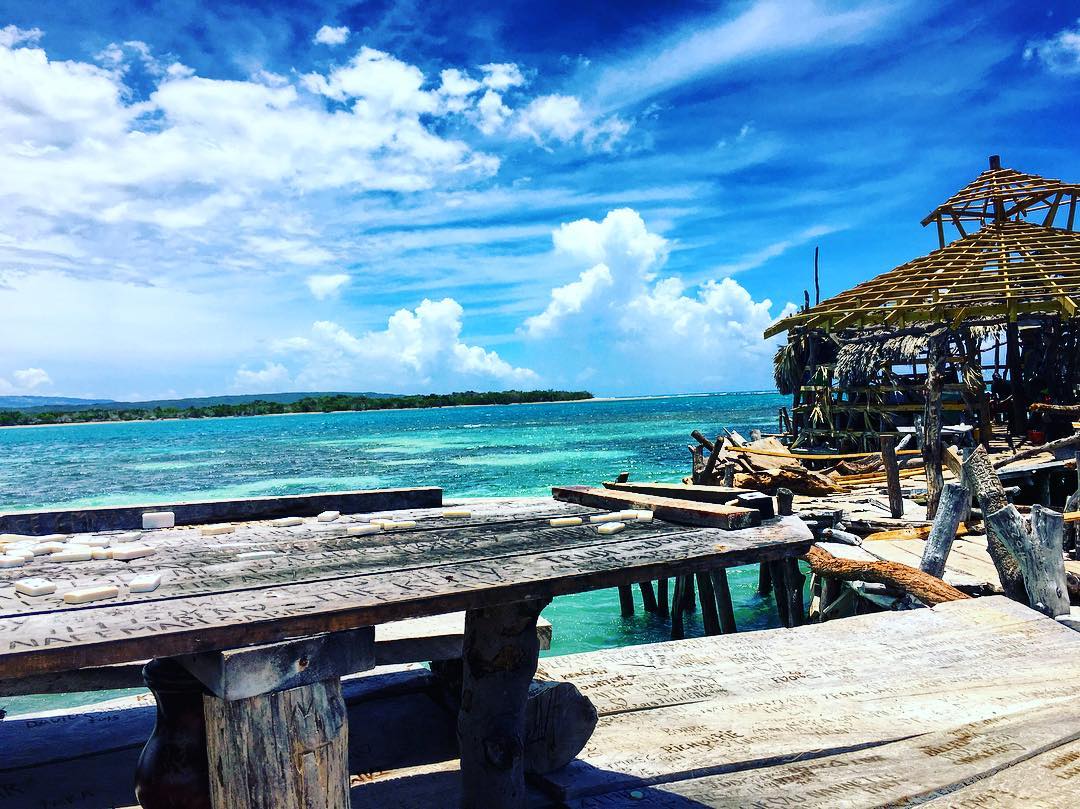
[435, 196]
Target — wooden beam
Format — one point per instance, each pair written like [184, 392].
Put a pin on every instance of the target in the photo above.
[680, 512]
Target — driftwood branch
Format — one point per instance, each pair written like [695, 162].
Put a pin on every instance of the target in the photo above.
[1072, 411]
[928, 589]
[1036, 545]
[1061, 443]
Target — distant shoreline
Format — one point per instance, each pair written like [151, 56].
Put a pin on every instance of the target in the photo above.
[600, 399]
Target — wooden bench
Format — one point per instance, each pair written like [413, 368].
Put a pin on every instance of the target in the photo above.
[256, 647]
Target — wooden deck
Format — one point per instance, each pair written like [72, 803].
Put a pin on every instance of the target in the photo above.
[966, 704]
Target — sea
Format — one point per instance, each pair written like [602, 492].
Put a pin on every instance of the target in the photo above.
[474, 451]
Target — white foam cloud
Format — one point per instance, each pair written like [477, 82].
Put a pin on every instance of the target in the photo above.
[661, 335]
[12, 35]
[332, 35]
[420, 349]
[326, 286]
[273, 377]
[502, 76]
[27, 381]
[1058, 54]
[563, 118]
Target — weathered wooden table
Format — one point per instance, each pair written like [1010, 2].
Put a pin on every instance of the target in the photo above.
[266, 640]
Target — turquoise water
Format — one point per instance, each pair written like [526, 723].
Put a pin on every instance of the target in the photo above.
[469, 451]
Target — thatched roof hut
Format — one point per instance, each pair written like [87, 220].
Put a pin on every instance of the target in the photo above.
[877, 357]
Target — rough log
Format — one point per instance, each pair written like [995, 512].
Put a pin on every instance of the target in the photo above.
[954, 501]
[979, 473]
[499, 654]
[931, 445]
[559, 720]
[797, 479]
[1050, 446]
[1065, 411]
[648, 596]
[892, 476]
[928, 589]
[1036, 545]
[784, 500]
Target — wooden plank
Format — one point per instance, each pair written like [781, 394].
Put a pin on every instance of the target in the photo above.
[681, 512]
[194, 512]
[681, 491]
[1017, 761]
[447, 578]
[417, 640]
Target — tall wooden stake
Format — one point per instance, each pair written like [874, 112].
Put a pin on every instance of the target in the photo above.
[1016, 378]
[931, 450]
[892, 475]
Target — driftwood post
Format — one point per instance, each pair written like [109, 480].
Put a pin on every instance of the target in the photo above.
[1016, 379]
[892, 475]
[977, 470]
[709, 617]
[1036, 546]
[626, 601]
[662, 596]
[710, 465]
[677, 594]
[499, 653]
[648, 597]
[784, 499]
[951, 508]
[729, 474]
[931, 445]
[724, 607]
[764, 581]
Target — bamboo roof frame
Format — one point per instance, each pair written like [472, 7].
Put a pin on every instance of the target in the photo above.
[1008, 269]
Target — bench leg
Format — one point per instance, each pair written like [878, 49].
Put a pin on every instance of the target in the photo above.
[500, 652]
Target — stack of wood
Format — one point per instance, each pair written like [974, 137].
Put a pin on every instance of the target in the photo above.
[764, 465]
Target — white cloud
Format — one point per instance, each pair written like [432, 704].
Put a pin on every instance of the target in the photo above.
[27, 380]
[420, 349]
[491, 113]
[661, 336]
[326, 286]
[11, 35]
[271, 378]
[501, 77]
[770, 251]
[1060, 53]
[570, 299]
[761, 28]
[331, 35]
[563, 118]
[31, 378]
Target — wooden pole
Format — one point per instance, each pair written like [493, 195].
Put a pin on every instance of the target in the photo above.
[626, 601]
[499, 657]
[780, 592]
[936, 349]
[951, 508]
[648, 597]
[729, 474]
[1036, 546]
[764, 581]
[689, 601]
[1016, 378]
[817, 281]
[710, 465]
[725, 609]
[892, 475]
[662, 596]
[709, 617]
[677, 594]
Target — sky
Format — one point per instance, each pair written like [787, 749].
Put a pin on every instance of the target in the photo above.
[246, 197]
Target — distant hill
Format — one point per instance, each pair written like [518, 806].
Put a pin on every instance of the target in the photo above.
[60, 404]
[27, 402]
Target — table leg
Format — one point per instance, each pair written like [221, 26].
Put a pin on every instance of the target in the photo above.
[500, 652]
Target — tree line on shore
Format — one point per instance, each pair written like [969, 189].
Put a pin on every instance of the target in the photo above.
[309, 404]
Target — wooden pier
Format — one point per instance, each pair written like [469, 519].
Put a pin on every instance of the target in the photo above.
[965, 704]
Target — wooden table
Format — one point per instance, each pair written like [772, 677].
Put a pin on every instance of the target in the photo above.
[268, 639]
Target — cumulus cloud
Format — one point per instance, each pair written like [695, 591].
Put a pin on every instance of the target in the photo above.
[666, 335]
[1059, 54]
[11, 35]
[563, 118]
[326, 286]
[271, 378]
[27, 380]
[503, 76]
[331, 35]
[420, 349]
